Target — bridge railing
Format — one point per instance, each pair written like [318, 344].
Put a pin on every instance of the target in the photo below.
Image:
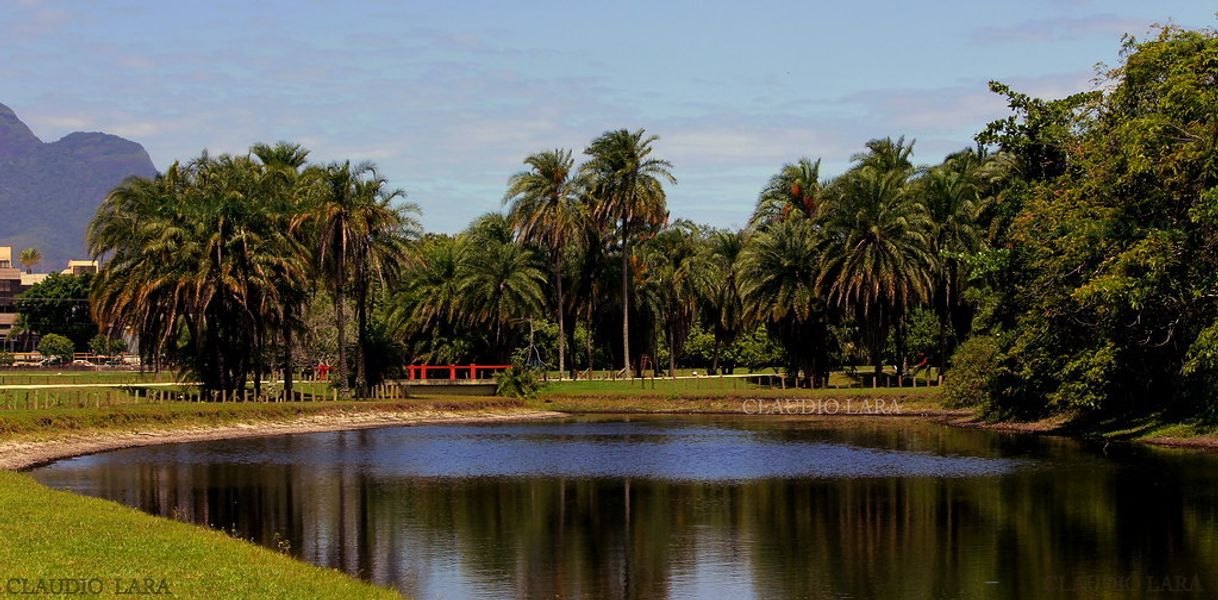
[453, 372]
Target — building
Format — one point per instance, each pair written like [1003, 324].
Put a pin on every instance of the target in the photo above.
[10, 286]
[80, 267]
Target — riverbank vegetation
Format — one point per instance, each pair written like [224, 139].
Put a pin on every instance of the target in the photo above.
[1061, 266]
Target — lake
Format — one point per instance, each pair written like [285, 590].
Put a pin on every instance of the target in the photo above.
[696, 507]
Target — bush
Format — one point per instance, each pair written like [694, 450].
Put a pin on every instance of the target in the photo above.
[518, 382]
[7, 359]
[975, 364]
[56, 346]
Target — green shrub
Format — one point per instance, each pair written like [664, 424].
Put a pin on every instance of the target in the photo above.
[974, 367]
[518, 382]
[56, 346]
[6, 359]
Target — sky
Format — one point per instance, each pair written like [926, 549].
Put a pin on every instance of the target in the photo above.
[449, 97]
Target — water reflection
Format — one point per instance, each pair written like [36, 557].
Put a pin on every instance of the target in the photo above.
[695, 508]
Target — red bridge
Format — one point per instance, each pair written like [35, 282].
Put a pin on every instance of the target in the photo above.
[452, 372]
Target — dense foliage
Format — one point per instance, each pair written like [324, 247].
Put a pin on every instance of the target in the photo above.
[59, 305]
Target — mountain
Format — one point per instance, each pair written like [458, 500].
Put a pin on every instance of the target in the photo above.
[50, 191]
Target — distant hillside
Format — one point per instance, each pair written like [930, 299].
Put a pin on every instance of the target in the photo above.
[48, 192]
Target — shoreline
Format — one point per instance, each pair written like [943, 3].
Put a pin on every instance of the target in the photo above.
[23, 455]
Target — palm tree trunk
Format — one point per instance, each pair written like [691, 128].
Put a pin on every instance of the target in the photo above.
[625, 296]
[672, 353]
[341, 320]
[562, 330]
[361, 346]
[714, 370]
[287, 358]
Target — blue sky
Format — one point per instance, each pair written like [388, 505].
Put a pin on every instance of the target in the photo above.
[448, 97]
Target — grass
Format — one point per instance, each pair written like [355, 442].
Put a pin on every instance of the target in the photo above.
[711, 386]
[50, 535]
[50, 422]
[52, 376]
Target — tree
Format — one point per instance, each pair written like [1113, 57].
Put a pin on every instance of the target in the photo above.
[723, 307]
[30, 257]
[626, 185]
[778, 287]
[290, 190]
[953, 194]
[57, 347]
[197, 265]
[875, 255]
[544, 211]
[795, 192]
[59, 304]
[361, 236]
[499, 282]
[678, 270]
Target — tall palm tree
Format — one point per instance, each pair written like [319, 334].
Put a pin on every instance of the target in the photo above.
[626, 185]
[338, 232]
[385, 228]
[679, 272]
[30, 257]
[794, 192]
[953, 194]
[778, 288]
[290, 192]
[544, 211]
[876, 256]
[724, 309]
[362, 236]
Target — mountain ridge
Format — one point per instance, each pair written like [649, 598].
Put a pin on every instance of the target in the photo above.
[50, 190]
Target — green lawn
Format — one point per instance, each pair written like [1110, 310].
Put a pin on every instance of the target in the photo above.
[52, 376]
[715, 386]
[49, 422]
[50, 535]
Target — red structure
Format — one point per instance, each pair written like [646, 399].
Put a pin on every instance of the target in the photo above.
[452, 372]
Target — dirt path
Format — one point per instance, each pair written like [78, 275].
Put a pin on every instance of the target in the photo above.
[25, 454]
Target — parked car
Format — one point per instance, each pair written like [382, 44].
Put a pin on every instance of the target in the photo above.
[80, 362]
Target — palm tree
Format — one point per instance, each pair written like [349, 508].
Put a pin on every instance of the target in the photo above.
[30, 257]
[876, 256]
[954, 198]
[544, 211]
[427, 304]
[290, 193]
[361, 236]
[723, 307]
[625, 185]
[499, 284]
[333, 215]
[385, 229]
[794, 192]
[196, 266]
[679, 273]
[778, 288]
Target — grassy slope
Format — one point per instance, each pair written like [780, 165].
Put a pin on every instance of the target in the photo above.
[47, 534]
[58, 421]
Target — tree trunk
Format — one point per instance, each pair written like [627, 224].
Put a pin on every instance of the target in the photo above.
[672, 353]
[625, 296]
[562, 330]
[714, 370]
[361, 345]
[341, 319]
[287, 357]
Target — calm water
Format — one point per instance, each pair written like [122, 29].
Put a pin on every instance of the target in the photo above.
[697, 507]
